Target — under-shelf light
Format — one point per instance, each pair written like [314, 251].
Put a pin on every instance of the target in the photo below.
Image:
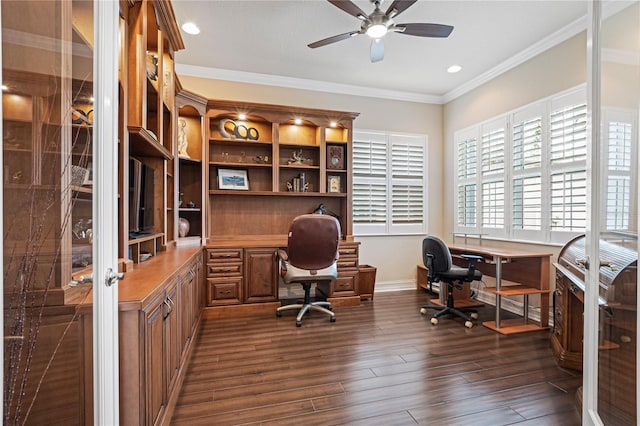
[333, 124]
[5, 87]
[297, 121]
[242, 116]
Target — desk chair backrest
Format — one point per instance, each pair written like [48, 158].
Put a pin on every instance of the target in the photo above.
[313, 241]
[436, 255]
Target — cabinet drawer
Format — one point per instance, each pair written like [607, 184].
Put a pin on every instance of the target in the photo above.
[224, 255]
[224, 291]
[345, 285]
[347, 262]
[348, 250]
[215, 270]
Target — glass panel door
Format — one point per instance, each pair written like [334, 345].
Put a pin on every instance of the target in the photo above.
[617, 312]
[49, 192]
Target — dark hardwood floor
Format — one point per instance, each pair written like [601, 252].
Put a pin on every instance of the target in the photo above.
[381, 363]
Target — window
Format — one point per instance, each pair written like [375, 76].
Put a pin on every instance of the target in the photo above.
[618, 168]
[388, 183]
[523, 175]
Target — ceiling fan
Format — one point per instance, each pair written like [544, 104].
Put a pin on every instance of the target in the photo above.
[378, 23]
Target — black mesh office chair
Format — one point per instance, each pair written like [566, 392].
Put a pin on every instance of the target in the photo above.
[440, 268]
[311, 256]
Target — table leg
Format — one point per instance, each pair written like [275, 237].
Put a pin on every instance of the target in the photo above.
[498, 261]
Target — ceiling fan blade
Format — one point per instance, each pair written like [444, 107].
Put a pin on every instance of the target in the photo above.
[399, 6]
[332, 39]
[423, 30]
[350, 8]
[377, 50]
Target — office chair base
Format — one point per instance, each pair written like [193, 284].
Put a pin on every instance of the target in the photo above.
[305, 308]
[448, 310]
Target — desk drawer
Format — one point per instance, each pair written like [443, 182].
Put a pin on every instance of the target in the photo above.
[345, 285]
[224, 255]
[348, 250]
[224, 291]
[347, 262]
[215, 270]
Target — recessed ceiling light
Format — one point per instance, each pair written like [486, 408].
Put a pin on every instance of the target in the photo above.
[191, 28]
[454, 69]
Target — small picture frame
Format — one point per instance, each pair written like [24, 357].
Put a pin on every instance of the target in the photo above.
[88, 176]
[333, 184]
[335, 157]
[233, 179]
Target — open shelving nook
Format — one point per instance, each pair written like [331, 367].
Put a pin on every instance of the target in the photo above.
[280, 156]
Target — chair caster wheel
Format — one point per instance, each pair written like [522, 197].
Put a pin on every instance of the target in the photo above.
[332, 319]
[298, 323]
[278, 314]
[434, 321]
[468, 324]
[474, 315]
[423, 311]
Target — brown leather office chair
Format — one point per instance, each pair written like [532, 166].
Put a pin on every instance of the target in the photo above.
[440, 268]
[311, 256]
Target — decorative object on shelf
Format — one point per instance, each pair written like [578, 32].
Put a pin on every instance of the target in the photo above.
[183, 227]
[78, 116]
[298, 184]
[233, 179]
[296, 157]
[191, 205]
[180, 196]
[88, 176]
[183, 143]
[229, 129]
[335, 157]
[333, 184]
[152, 66]
[261, 159]
[78, 175]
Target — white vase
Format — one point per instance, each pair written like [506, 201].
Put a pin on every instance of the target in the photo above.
[183, 227]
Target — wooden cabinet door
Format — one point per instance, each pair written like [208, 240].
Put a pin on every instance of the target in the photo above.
[173, 349]
[260, 272]
[187, 307]
[154, 362]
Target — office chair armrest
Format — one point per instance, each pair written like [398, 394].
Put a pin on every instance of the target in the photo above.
[472, 259]
[282, 254]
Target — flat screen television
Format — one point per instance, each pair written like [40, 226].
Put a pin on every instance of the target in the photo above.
[141, 198]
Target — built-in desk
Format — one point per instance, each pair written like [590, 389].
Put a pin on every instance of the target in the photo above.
[241, 271]
[529, 270]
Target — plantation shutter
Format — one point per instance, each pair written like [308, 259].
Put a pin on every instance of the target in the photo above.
[466, 205]
[370, 183]
[619, 170]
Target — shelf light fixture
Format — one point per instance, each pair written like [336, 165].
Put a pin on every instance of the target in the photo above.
[5, 87]
[333, 124]
[297, 121]
[242, 116]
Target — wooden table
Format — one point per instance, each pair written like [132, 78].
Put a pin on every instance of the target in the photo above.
[530, 270]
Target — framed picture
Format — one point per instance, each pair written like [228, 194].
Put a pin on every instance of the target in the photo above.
[233, 179]
[88, 176]
[333, 184]
[335, 157]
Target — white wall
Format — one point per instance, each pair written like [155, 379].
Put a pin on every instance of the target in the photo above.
[394, 257]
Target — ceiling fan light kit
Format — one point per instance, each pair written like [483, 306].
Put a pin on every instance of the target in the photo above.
[378, 23]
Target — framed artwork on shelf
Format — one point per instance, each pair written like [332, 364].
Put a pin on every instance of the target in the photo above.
[333, 184]
[335, 157]
[233, 179]
[88, 177]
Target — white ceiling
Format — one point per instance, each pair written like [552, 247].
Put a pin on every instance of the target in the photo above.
[266, 42]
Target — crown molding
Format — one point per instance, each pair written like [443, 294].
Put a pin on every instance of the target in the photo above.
[304, 84]
[532, 51]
